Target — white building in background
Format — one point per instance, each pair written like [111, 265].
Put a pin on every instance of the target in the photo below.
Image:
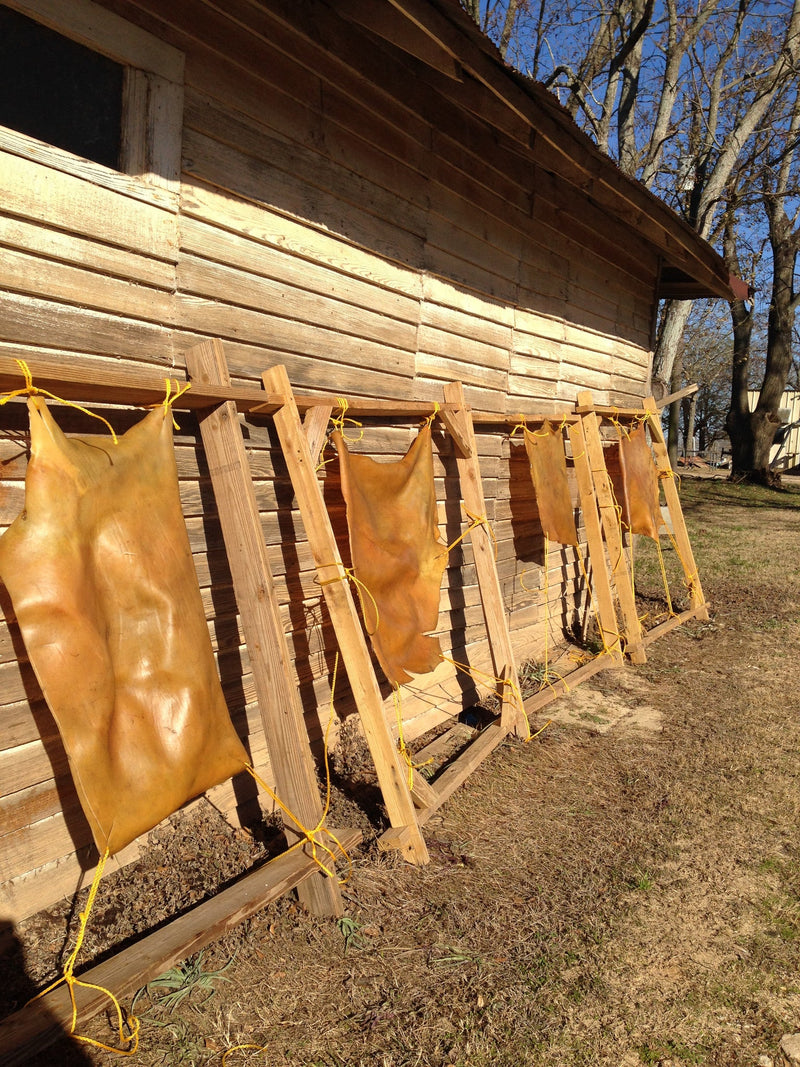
[786, 448]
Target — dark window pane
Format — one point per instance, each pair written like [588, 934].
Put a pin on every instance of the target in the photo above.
[58, 90]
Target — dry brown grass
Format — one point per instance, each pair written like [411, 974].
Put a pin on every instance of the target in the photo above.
[618, 899]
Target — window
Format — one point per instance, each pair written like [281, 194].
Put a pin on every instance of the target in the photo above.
[59, 91]
[88, 93]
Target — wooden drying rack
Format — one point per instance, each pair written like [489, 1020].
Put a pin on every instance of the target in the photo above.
[218, 402]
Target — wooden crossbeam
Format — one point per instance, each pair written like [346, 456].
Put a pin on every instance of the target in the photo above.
[344, 615]
[512, 716]
[278, 700]
[632, 630]
[564, 685]
[674, 622]
[457, 772]
[36, 1026]
[133, 387]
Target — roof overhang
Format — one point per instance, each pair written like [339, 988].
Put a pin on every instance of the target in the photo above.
[441, 34]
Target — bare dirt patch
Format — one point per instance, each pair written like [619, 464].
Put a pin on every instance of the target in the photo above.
[609, 894]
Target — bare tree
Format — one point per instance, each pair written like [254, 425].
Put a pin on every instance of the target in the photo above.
[752, 432]
[720, 137]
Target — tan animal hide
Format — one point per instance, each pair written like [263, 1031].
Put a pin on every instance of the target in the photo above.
[396, 554]
[100, 574]
[633, 474]
[548, 463]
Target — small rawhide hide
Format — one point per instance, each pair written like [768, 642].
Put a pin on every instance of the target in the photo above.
[548, 463]
[396, 554]
[100, 574]
[634, 476]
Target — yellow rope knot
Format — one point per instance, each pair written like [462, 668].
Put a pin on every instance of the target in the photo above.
[428, 420]
[350, 576]
[29, 389]
[522, 425]
[171, 397]
[339, 422]
[474, 523]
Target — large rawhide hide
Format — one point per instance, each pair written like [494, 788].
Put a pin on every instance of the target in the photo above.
[548, 463]
[396, 554]
[100, 574]
[634, 476]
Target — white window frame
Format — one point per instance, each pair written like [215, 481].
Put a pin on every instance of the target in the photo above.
[152, 112]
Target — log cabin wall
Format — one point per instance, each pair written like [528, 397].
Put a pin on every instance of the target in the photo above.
[372, 221]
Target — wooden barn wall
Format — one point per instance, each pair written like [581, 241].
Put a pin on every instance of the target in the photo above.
[377, 239]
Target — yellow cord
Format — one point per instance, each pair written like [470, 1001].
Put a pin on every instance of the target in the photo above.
[29, 389]
[546, 677]
[475, 522]
[349, 575]
[339, 422]
[634, 422]
[71, 981]
[606, 650]
[171, 397]
[664, 579]
[428, 420]
[544, 433]
[401, 742]
[476, 674]
[310, 836]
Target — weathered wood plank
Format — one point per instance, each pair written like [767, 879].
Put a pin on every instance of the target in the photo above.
[43, 240]
[282, 716]
[258, 222]
[505, 669]
[64, 201]
[680, 533]
[278, 296]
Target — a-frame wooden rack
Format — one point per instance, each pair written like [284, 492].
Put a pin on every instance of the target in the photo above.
[407, 808]
[591, 416]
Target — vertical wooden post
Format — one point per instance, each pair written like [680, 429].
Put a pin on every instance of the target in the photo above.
[278, 701]
[681, 534]
[349, 633]
[512, 716]
[606, 615]
[611, 528]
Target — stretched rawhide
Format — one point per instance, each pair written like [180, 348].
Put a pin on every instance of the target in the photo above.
[396, 553]
[634, 476]
[100, 574]
[548, 462]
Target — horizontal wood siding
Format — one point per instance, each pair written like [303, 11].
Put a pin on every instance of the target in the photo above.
[342, 211]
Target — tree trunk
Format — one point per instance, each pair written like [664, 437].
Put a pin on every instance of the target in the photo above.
[676, 315]
[752, 433]
[673, 432]
[690, 416]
